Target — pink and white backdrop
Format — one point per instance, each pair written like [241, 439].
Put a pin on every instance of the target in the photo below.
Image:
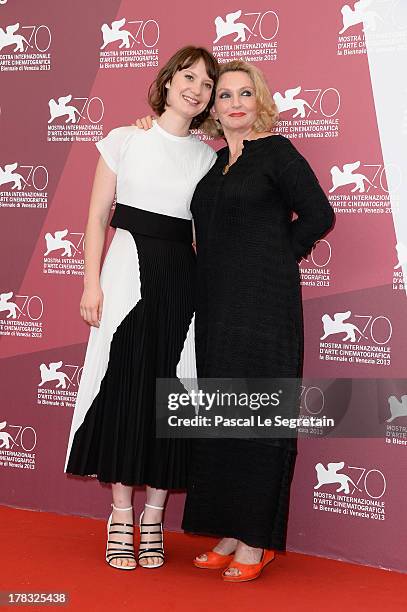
[68, 76]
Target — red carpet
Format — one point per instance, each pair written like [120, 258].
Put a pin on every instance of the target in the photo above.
[44, 552]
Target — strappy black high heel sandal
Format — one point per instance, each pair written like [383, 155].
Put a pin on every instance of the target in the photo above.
[150, 528]
[126, 550]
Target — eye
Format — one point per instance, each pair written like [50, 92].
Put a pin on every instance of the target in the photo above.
[224, 94]
[247, 92]
[189, 77]
[209, 85]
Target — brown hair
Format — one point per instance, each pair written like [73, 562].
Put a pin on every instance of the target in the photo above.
[183, 58]
[267, 112]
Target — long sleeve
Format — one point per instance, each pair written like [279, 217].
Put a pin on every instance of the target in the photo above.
[304, 195]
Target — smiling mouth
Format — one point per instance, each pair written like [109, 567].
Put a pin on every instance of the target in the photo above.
[237, 114]
[192, 101]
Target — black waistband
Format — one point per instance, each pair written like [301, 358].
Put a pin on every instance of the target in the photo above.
[144, 222]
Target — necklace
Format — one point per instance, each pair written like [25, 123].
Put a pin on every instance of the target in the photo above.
[232, 160]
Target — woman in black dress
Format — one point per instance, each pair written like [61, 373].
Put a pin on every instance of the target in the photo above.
[249, 315]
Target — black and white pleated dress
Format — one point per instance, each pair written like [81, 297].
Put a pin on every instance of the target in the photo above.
[147, 325]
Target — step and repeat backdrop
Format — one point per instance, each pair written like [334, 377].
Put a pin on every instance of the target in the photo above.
[72, 71]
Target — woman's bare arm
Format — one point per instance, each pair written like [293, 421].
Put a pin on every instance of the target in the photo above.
[103, 190]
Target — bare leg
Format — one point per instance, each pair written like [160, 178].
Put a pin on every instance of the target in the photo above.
[122, 495]
[226, 546]
[155, 497]
[244, 554]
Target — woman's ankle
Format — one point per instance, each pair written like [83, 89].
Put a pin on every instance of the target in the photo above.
[226, 546]
[152, 515]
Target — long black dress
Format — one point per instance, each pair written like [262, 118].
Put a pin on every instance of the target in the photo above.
[249, 324]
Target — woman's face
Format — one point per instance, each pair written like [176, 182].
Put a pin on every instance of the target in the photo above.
[235, 102]
[189, 91]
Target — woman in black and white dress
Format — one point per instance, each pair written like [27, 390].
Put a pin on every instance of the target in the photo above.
[141, 306]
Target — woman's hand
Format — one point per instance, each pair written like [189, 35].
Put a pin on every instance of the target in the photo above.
[91, 305]
[145, 123]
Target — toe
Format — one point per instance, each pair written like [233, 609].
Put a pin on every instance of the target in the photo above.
[232, 571]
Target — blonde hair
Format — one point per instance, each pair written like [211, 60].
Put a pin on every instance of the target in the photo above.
[267, 113]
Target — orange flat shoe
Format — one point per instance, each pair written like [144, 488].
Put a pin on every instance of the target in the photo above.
[249, 571]
[214, 561]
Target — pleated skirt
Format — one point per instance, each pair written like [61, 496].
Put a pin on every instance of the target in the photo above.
[146, 333]
[240, 489]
